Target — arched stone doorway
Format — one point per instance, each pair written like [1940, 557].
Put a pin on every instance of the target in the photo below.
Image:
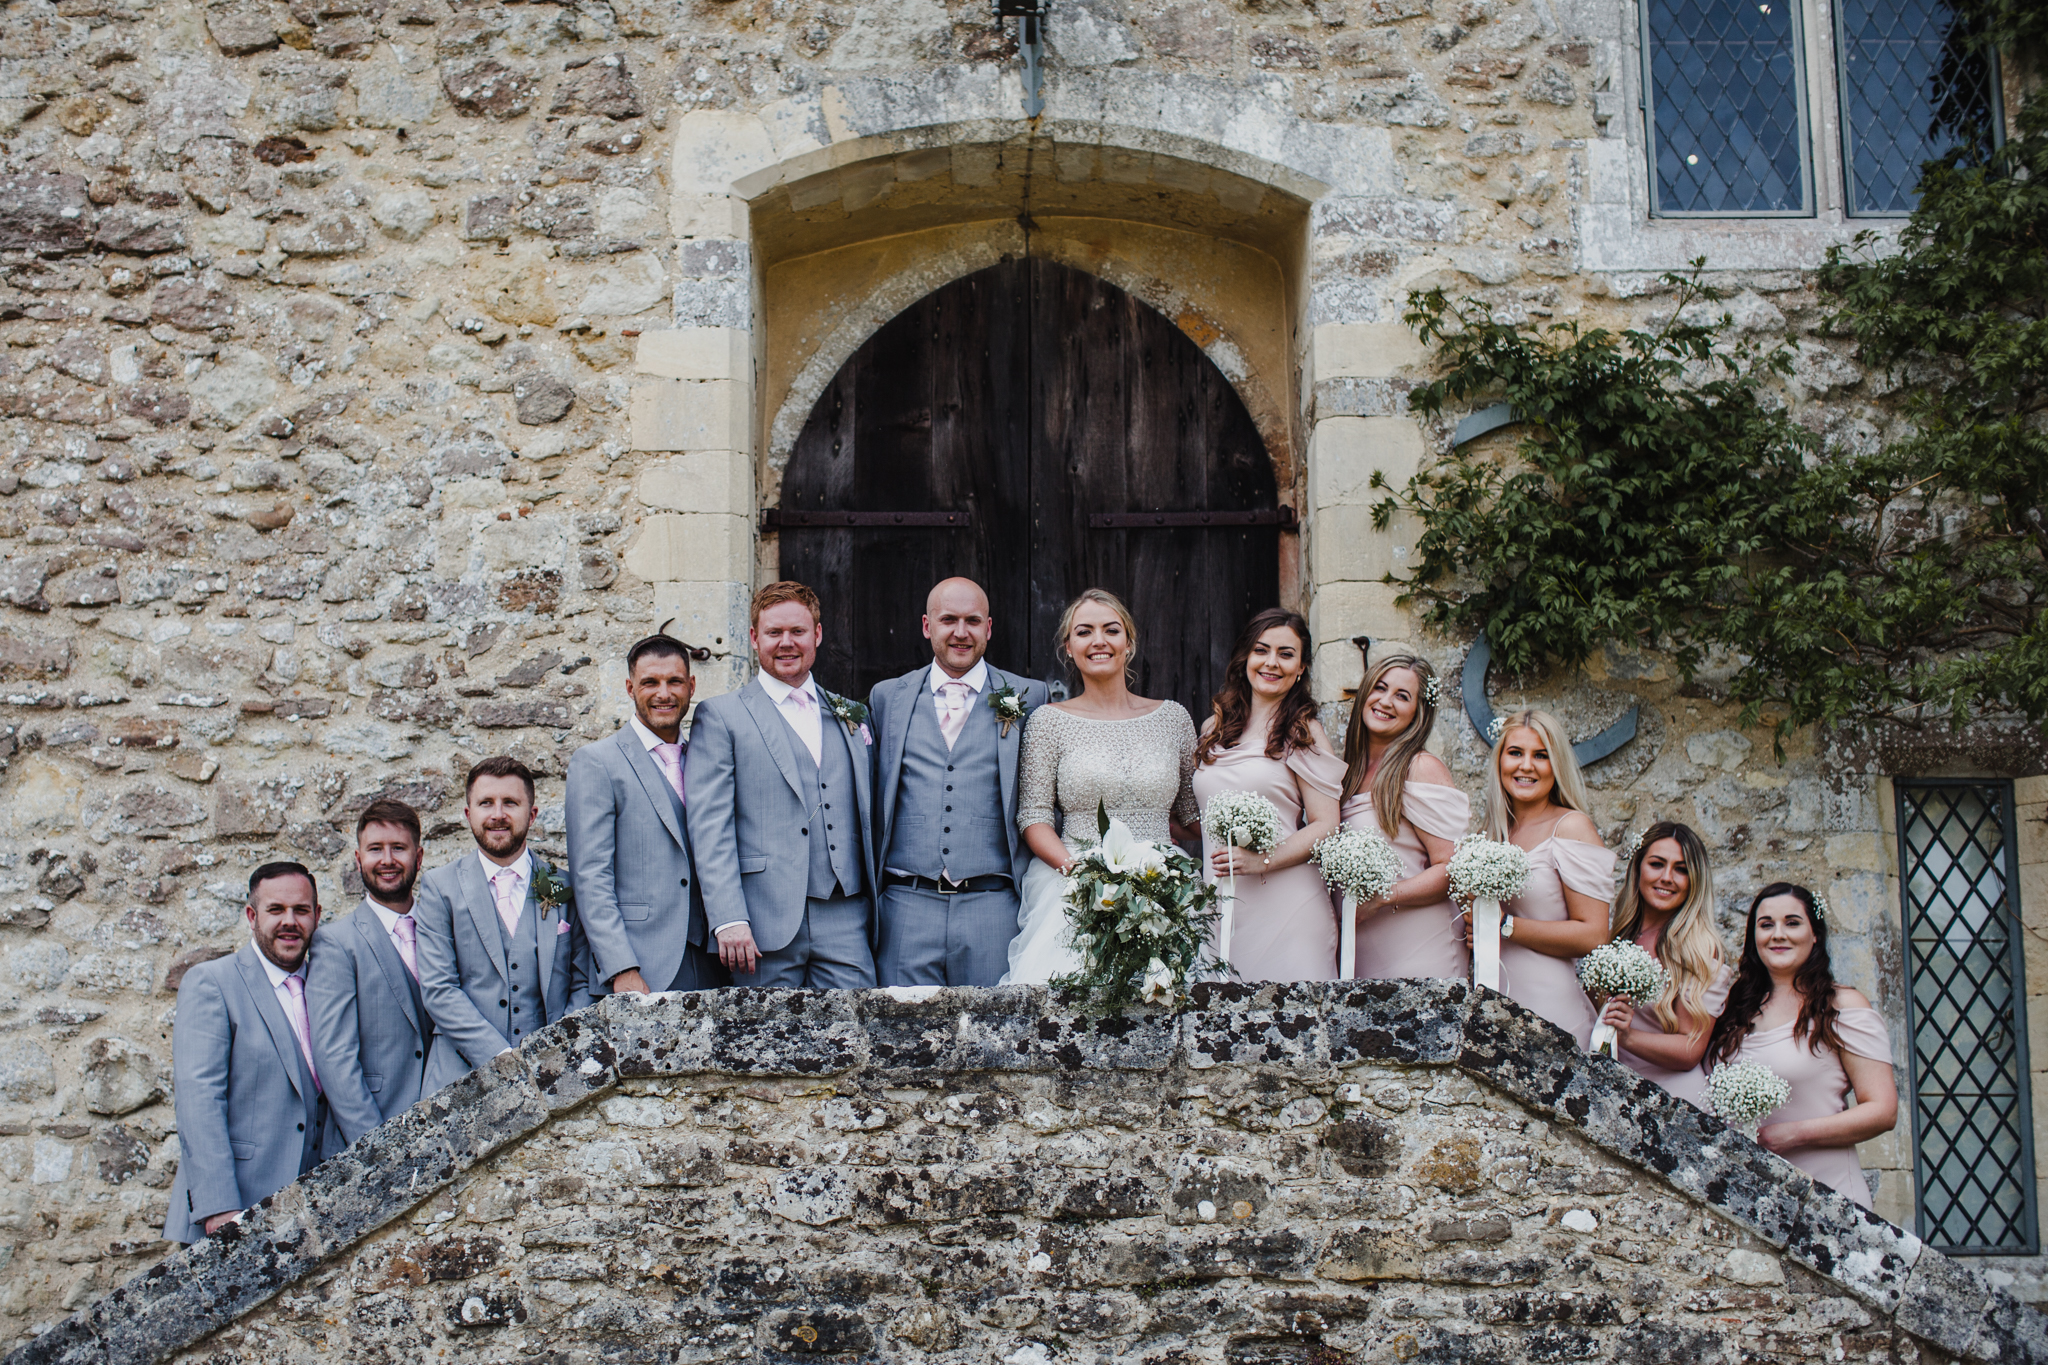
[1027, 401]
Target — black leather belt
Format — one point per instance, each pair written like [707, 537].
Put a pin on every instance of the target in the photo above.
[995, 881]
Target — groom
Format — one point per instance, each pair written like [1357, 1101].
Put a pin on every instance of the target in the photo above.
[952, 858]
[783, 757]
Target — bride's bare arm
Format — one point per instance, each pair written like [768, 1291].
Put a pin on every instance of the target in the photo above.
[1042, 841]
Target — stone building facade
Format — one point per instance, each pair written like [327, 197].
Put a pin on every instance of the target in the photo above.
[374, 370]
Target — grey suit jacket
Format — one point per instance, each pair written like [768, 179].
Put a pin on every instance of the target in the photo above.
[461, 952]
[629, 859]
[747, 808]
[250, 1120]
[892, 704]
[369, 1036]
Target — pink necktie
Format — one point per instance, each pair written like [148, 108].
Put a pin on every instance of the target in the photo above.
[302, 1028]
[670, 757]
[952, 710]
[811, 741]
[505, 891]
[402, 931]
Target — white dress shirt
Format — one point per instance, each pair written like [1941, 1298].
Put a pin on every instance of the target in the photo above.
[521, 869]
[806, 721]
[652, 742]
[389, 919]
[294, 1006]
[976, 679]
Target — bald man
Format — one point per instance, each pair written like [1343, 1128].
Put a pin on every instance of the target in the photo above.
[947, 737]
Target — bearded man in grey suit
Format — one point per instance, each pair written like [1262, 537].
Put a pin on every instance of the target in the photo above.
[778, 784]
[947, 737]
[629, 849]
[371, 1030]
[251, 1115]
[501, 948]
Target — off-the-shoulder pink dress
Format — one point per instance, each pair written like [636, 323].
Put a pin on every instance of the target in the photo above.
[1284, 927]
[1424, 940]
[1820, 1088]
[1550, 985]
[1687, 1085]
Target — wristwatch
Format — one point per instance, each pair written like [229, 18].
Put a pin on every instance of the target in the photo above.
[1507, 926]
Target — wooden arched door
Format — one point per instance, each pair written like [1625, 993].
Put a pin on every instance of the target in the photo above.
[1040, 431]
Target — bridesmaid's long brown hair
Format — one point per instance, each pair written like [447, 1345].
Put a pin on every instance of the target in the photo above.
[1815, 982]
[1232, 707]
[1401, 750]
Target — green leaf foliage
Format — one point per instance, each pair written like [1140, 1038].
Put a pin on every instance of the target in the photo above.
[1660, 494]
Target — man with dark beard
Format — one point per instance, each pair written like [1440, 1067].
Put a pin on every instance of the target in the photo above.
[501, 949]
[371, 1031]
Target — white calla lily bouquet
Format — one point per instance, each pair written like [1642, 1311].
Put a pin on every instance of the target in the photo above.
[1140, 916]
[1741, 1094]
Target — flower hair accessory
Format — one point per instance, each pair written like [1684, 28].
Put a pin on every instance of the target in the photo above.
[1495, 728]
[1635, 845]
[1432, 690]
[1820, 906]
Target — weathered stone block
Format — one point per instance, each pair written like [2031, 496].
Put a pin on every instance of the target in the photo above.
[696, 353]
[700, 481]
[1346, 452]
[672, 414]
[121, 1077]
[44, 212]
[489, 88]
[691, 548]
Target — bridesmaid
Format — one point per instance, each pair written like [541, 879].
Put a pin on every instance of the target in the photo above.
[1666, 906]
[1537, 800]
[1264, 737]
[1825, 1040]
[1392, 784]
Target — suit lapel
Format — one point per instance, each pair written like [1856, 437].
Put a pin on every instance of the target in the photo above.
[775, 733]
[385, 953]
[1006, 751]
[543, 932]
[652, 781]
[903, 710]
[257, 982]
[483, 910]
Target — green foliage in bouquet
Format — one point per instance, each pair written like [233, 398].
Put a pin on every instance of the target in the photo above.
[1141, 918]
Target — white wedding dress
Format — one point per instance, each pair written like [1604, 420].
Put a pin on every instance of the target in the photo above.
[1138, 770]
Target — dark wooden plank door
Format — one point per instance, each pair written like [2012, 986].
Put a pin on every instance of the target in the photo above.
[1033, 395]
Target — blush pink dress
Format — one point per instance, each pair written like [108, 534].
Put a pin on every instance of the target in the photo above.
[1687, 1085]
[1284, 927]
[1550, 985]
[1820, 1088]
[1424, 940]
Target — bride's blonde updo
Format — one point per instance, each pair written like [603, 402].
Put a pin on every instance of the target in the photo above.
[1123, 614]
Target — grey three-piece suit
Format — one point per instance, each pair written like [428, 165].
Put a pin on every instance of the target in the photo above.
[629, 857]
[951, 813]
[487, 987]
[250, 1119]
[783, 842]
[371, 1030]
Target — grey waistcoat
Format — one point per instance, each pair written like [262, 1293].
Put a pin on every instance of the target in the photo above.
[949, 804]
[834, 815]
[526, 1008]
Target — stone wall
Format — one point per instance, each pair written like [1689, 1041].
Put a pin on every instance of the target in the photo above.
[1322, 1174]
[373, 370]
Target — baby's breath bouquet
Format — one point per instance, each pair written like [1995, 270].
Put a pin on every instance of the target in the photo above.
[1484, 872]
[1742, 1093]
[1244, 820]
[1359, 865]
[1615, 969]
[1140, 916]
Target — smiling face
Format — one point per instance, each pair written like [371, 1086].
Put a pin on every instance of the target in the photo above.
[957, 622]
[786, 638]
[1276, 662]
[388, 857]
[1664, 880]
[1784, 934]
[1525, 772]
[660, 689]
[1097, 642]
[283, 913]
[500, 811]
[1391, 703]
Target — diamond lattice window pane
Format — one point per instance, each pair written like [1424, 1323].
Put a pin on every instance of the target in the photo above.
[1970, 1097]
[1912, 91]
[1725, 105]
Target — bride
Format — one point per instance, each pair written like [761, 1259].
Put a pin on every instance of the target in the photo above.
[1132, 755]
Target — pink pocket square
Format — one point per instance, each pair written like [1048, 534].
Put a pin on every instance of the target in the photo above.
[561, 927]
[865, 737]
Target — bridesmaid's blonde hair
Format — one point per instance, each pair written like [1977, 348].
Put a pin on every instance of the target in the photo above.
[1568, 787]
[1690, 947]
[1106, 598]
[1402, 750]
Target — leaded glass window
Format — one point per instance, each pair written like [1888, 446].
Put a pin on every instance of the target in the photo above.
[1727, 107]
[1912, 90]
[1968, 1084]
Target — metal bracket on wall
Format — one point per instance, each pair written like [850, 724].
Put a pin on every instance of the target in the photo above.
[1030, 17]
[1476, 424]
[1472, 684]
[1127, 521]
[783, 519]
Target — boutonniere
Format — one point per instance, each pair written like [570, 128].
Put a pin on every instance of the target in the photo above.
[851, 713]
[1008, 706]
[551, 891]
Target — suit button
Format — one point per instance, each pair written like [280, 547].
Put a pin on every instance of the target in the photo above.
[501, 1004]
[949, 767]
[686, 881]
[418, 1053]
[805, 830]
[947, 830]
[949, 787]
[302, 1127]
[949, 807]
